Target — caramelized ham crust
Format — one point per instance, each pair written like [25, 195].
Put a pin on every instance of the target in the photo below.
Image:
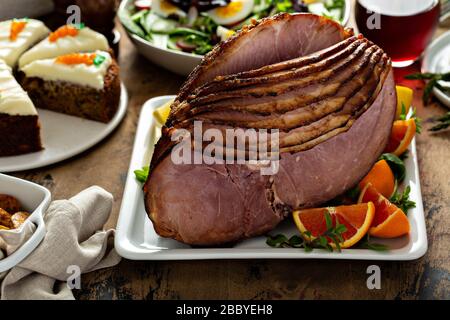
[330, 94]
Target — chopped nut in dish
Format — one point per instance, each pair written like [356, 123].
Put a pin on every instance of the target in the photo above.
[11, 214]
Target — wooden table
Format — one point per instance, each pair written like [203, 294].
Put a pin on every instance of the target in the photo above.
[106, 165]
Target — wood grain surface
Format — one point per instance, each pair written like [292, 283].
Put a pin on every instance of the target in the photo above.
[106, 165]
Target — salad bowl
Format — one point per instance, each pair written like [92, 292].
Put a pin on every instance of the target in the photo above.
[169, 57]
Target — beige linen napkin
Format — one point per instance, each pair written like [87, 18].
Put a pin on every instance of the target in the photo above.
[74, 238]
[11, 240]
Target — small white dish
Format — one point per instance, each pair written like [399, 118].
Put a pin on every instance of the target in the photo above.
[136, 239]
[436, 53]
[63, 137]
[35, 199]
[180, 62]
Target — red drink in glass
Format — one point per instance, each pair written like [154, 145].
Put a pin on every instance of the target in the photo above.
[403, 28]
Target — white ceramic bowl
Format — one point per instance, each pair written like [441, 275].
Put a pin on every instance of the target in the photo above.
[35, 199]
[179, 62]
[438, 50]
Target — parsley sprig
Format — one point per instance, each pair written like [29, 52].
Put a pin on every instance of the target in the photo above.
[417, 120]
[401, 200]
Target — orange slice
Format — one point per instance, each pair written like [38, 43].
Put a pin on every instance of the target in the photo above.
[381, 177]
[402, 133]
[356, 218]
[390, 221]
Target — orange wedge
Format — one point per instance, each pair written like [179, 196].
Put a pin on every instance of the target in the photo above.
[381, 178]
[356, 218]
[389, 221]
[402, 133]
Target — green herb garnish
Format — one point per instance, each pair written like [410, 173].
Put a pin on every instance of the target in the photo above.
[402, 200]
[433, 81]
[417, 120]
[79, 26]
[366, 243]
[443, 123]
[403, 113]
[24, 19]
[99, 59]
[142, 174]
[396, 164]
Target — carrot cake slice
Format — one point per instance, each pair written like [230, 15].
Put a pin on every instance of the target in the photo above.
[17, 36]
[86, 85]
[19, 122]
[65, 40]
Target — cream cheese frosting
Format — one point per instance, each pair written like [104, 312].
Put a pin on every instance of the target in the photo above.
[11, 50]
[87, 40]
[13, 99]
[81, 74]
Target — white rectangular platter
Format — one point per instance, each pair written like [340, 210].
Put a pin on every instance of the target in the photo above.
[137, 240]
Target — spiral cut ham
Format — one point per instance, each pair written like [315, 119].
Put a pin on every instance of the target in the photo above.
[329, 94]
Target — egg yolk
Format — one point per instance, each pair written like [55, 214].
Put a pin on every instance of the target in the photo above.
[230, 10]
[167, 7]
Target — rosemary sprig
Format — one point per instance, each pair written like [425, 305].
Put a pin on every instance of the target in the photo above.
[443, 123]
[433, 81]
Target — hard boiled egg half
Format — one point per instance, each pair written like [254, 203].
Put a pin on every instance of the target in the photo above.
[164, 8]
[234, 12]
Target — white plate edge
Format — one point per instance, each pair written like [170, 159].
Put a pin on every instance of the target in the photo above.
[426, 65]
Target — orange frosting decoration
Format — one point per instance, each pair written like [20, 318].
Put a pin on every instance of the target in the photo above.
[16, 28]
[77, 58]
[63, 31]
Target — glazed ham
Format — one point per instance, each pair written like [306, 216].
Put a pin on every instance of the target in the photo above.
[330, 95]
